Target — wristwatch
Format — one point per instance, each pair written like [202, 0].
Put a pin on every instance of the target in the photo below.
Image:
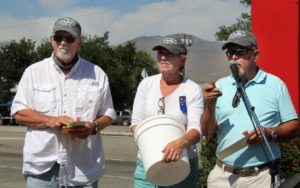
[95, 129]
[274, 135]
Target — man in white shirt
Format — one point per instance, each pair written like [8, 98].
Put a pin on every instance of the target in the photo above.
[55, 92]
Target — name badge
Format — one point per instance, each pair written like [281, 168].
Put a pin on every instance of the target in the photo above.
[182, 104]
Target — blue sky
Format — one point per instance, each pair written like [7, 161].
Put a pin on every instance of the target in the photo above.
[124, 19]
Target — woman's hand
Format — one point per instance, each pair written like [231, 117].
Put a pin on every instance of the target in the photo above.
[172, 151]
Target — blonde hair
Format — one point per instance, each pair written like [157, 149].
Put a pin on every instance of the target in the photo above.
[183, 57]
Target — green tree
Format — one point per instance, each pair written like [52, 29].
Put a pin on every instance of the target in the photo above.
[128, 65]
[243, 23]
[14, 58]
[44, 50]
[96, 49]
[207, 159]
[122, 64]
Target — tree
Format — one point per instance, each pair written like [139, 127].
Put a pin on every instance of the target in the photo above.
[126, 75]
[243, 23]
[14, 58]
[96, 49]
[122, 64]
[44, 50]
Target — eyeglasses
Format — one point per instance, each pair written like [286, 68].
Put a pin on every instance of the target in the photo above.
[68, 38]
[237, 52]
[236, 99]
[161, 105]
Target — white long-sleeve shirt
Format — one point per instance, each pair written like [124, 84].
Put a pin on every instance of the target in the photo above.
[146, 104]
[83, 93]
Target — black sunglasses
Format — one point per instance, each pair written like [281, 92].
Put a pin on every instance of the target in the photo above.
[68, 38]
[161, 105]
[236, 99]
[237, 52]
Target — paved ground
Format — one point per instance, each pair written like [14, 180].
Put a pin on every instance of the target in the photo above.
[119, 148]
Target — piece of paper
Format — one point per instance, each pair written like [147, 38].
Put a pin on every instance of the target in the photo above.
[234, 147]
[75, 125]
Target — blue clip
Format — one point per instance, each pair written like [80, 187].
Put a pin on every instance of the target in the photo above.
[182, 104]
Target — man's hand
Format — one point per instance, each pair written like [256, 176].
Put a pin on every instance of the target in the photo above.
[211, 93]
[256, 135]
[82, 132]
[58, 121]
[208, 120]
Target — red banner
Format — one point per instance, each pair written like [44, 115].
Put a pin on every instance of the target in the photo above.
[276, 26]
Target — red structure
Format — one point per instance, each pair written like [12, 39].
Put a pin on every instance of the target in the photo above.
[276, 26]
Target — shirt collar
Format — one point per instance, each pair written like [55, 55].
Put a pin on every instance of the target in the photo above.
[73, 69]
[259, 77]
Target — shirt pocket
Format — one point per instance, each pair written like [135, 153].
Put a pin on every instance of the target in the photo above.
[93, 97]
[44, 98]
[88, 100]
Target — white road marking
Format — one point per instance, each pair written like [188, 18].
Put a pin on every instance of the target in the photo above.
[5, 138]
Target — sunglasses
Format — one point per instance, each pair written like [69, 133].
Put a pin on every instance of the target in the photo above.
[68, 38]
[161, 105]
[237, 52]
[236, 99]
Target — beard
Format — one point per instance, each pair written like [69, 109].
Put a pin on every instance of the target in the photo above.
[241, 72]
[63, 54]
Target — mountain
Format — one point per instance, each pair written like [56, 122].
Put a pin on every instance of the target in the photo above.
[206, 62]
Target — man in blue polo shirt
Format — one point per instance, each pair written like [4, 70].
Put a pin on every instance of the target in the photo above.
[226, 115]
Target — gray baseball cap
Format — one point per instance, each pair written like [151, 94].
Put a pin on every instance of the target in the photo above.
[173, 45]
[242, 38]
[67, 24]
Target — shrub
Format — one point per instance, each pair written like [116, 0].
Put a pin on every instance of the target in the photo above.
[207, 159]
[290, 158]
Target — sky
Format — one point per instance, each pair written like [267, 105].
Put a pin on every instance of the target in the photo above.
[123, 19]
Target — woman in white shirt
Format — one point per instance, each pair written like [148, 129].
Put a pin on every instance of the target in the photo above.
[170, 93]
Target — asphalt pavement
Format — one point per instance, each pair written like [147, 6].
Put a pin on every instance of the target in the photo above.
[120, 154]
[117, 130]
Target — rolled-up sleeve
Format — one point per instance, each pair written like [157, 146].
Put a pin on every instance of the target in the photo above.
[107, 107]
[24, 95]
[195, 110]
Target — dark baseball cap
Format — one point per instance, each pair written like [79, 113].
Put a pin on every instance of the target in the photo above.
[172, 44]
[67, 24]
[242, 38]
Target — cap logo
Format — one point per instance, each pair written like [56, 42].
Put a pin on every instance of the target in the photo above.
[67, 22]
[238, 34]
[169, 41]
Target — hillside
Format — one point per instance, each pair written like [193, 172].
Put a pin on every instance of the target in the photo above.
[206, 61]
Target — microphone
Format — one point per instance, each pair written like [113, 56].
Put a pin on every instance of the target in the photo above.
[235, 71]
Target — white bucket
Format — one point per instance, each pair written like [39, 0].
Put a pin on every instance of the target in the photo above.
[151, 136]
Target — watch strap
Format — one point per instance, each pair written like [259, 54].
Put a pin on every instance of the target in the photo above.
[96, 128]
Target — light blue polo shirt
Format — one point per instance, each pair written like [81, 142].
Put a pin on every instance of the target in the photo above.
[273, 106]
